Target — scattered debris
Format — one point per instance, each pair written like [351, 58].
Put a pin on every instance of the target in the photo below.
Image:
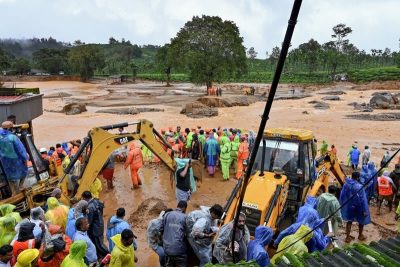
[319, 104]
[199, 110]
[57, 95]
[363, 107]
[229, 101]
[147, 210]
[131, 110]
[375, 117]
[335, 92]
[331, 98]
[305, 112]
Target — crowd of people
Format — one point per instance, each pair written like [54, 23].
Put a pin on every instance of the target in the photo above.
[61, 235]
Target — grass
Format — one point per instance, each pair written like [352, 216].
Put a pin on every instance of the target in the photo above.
[375, 74]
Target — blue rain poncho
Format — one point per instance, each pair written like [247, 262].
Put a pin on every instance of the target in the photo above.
[13, 156]
[116, 226]
[256, 249]
[355, 156]
[357, 209]
[180, 163]
[365, 176]
[373, 172]
[308, 212]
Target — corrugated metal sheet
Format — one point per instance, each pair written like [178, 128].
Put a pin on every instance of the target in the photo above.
[24, 107]
[11, 99]
[380, 253]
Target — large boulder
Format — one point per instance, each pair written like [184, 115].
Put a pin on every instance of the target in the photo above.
[382, 101]
[199, 110]
[74, 108]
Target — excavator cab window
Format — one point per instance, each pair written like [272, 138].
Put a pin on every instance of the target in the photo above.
[278, 155]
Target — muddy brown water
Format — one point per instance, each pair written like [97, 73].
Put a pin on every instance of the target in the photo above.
[157, 186]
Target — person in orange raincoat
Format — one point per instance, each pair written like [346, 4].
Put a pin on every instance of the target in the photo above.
[135, 161]
[243, 154]
[54, 250]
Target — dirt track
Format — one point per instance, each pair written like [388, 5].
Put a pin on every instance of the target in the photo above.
[330, 124]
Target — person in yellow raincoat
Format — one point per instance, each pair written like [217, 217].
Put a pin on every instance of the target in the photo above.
[96, 188]
[27, 258]
[123, 253]
[76, 254]
[6, 210]
[298, 248]
[398, 218]
[57, 214]
[7, 230]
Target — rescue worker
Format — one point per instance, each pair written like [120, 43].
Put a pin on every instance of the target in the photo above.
[37, 217]
[6, 255]
[45, 157]
[196, 149]
[308, 210]
[7, 230]
[116, 224]
[108, 171]
[324, 148]
[82, 226]
[385, 158]
[174, 236]
[225, 158]
[27, 258]
[202, 139]
[397, 218]
[56, 214]
[333, 150]
[7, 210]
[95, 188]
[201, 230]
[355, 158]
[154, 236]
[13, 157]
[256, 249]
[26, 239]
[297, 248]
[243, 155]
[371, 190]
[395, 176]
[327, 204]
[183, 187]
[386, 188]
[355, 210]
[234, 152]
[96, 223]
[54, 251]
[76, 255]
[80, 210]
[123, 254]
[211, 152]
[366, 155]
[135, 162]
[223, 250]
[188, 144]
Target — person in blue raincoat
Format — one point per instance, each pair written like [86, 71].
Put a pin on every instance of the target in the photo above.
[308, 210]
[365, 176]
[356, 210]
[256, 248]
[373, 172]
[116, 225]
[13, 157]
[355, 157]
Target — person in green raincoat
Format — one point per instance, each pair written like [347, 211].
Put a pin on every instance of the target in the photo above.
[225, 158]
[296, 249]
[324, 148]
[7, 230]
[76, 254]
[234, 152]
[348, 155]
[123, 253]
[6, 210]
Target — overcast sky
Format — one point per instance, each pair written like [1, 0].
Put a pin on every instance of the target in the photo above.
[262, 23]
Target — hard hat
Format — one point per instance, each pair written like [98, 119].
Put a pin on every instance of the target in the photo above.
[27, 256]
[43, 150]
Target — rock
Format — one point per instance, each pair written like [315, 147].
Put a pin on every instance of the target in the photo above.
[198, 110]
[319, 104]
[129, 111]
[57, 95]
[335, 92]
[74, 108]
[376, 117]
[384, 100]
[229, 101]
[331, 98]
[305, 112]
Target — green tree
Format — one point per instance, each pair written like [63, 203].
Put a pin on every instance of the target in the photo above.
[165, 61]
[310, 52]
[210, 49]
[340, 31]
[274, 56]
[21, 66]
[51, 60]
[85, 59]
[134, 69]
[5, 61]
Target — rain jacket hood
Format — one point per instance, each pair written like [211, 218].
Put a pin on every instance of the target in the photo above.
[121, 255]
[6, 209]
[26, 257]
[52, 203]
[263, 235]
[76, 255]
[308, 212]
[311, 201]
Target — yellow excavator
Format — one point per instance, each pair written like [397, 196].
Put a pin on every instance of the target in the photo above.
[285, 171]
[93, 152]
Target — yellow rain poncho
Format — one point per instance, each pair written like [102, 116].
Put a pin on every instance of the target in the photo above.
[121, 256]
[7, 210]
[7, 231]
[26, 257]
[96, 188]
[57, 214]
[76, 255]
[299, 247]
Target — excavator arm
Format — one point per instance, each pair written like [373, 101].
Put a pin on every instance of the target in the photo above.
[99, 144]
